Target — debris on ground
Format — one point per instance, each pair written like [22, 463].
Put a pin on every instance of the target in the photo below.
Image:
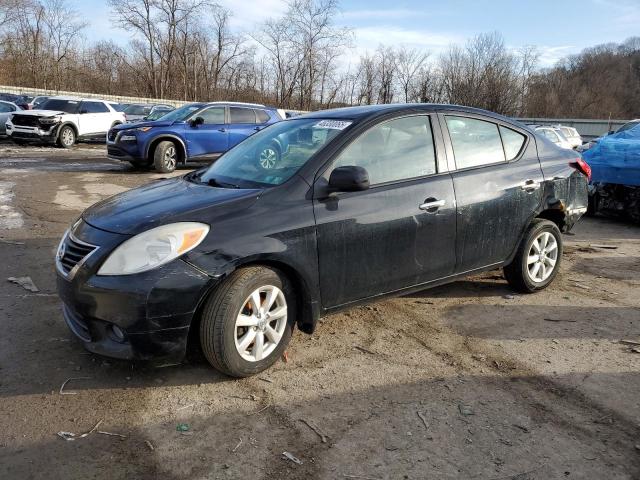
[237, 446]
[292, 458]
[424, 419]
[111, 434]
[634, 343]
[285, 356]
[363, 350]
[70, 436]
[508, 297]
[265, 379]
[62, 392]
[24, 282]
[599, 245]
[149, 445]
[185, 407]
[465, 410]
[559, 320]
[182, 427]
[316, 429]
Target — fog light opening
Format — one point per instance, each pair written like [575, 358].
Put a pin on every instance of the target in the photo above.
[117, 334]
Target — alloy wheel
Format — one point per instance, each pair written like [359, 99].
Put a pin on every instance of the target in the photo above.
[170, 157]
[261, 323]
[268, 158]
[542, 257]
[67, 137]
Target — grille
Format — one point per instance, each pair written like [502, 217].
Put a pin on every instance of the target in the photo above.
[18, 134]
[111, 136]
[25, 120]
[72, 252]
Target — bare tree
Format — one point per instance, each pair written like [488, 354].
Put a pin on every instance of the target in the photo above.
[408, 64]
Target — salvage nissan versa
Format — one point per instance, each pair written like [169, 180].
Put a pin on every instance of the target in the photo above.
[367, 202]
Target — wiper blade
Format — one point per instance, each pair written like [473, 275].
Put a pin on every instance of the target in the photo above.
[217, 183]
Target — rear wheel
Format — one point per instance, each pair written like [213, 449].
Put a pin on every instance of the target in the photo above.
[268, 156]
[537, 261]
[165, 157]
[247, 322]
[66, 137]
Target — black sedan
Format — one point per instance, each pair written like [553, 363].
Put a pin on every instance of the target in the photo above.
[366, 202]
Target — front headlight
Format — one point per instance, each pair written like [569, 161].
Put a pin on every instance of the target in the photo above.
[49, 120]
[154, 247]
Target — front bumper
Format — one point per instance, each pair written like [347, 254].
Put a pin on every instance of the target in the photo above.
[33, 134]
[153, 309]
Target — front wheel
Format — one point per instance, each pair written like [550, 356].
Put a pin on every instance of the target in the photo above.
[165, 157]
[537, 260]
[247, 322]
[66, 137]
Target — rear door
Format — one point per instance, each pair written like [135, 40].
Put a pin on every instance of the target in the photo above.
[210, 137]
[398, 233]
[497, 178]
[242, 123]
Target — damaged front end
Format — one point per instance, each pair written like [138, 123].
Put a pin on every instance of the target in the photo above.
[615, 199]
[34, 128]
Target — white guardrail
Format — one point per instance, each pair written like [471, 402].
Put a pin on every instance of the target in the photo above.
[115, 98]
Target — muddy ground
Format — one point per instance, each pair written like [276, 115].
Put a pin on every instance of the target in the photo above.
[463, 381]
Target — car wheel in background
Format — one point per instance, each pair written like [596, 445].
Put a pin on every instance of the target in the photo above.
[247, 322]
[537, 260]
[268, 156]
[66, 137]
[165, 157]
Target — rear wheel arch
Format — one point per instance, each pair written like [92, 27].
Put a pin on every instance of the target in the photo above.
[554, 215]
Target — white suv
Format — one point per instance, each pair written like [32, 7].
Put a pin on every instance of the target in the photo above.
[64, 120]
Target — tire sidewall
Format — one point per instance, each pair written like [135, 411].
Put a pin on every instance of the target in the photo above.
[534, 233]
[237, 365]
[158, 156]
[60, 136]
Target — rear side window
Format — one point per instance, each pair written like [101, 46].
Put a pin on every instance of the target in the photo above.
[512, 142]
[395, 150]
[475, 142]
[94, 107]
[5, 107]
[262, 116]
[241, 115]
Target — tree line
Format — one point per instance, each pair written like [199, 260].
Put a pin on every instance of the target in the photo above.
[186, 50]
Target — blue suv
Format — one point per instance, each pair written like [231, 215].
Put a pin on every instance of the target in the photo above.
[197, 131]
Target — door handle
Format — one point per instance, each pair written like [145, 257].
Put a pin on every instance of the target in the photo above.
[530, 185]
[222, 130]
[431, 205]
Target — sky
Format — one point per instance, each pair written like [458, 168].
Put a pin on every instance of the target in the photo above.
[556, 27]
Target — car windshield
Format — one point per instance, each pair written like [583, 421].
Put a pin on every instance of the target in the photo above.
[273, 155]
[628, 126]
[137, 109]
[68, 106]
[181, 113]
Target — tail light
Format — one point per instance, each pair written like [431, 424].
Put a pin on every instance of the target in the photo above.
[582, 166]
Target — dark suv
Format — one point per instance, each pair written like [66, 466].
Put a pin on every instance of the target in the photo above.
[366, 202]
[197, 131]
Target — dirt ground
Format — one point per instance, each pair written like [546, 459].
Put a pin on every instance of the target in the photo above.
[463, 381]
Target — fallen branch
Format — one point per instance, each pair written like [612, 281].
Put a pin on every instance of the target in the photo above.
[424, 419]
[559, 320]
[237, 446]
[70, 436]
[261, 410]
[363, 350]
[149, 444]
[62, 392]
[315, 428]
[111, 434]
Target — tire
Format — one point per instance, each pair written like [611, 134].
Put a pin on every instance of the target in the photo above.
[525, 277]
[268, 156]
[165, 157]
[66, 137]
[222, 339]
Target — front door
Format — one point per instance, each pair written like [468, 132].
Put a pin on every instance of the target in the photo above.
[94, 118]
[211, 136]
[497, 182]
[398, 233]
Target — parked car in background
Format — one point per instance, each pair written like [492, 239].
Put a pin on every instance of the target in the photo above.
[572, 135]
[6, 110]
[194, 131]
[17, 99]
[63, 121]
[37, 101]
[136, 111]
[158, 111]
[366, 202]
[555, 135]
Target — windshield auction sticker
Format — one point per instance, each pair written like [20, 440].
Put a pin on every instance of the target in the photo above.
[332, 124]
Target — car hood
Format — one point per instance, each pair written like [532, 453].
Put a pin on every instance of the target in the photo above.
[152, 123]
[166, 201]
[42, 113]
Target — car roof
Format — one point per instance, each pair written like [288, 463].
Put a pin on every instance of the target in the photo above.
[371, 111]
[80, 99]
[239, 104]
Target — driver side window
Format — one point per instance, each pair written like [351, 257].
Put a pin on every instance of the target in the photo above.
[398, 149]
[212, 116]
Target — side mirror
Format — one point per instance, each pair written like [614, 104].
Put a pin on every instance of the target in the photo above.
[196, 121]
[349, 179]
